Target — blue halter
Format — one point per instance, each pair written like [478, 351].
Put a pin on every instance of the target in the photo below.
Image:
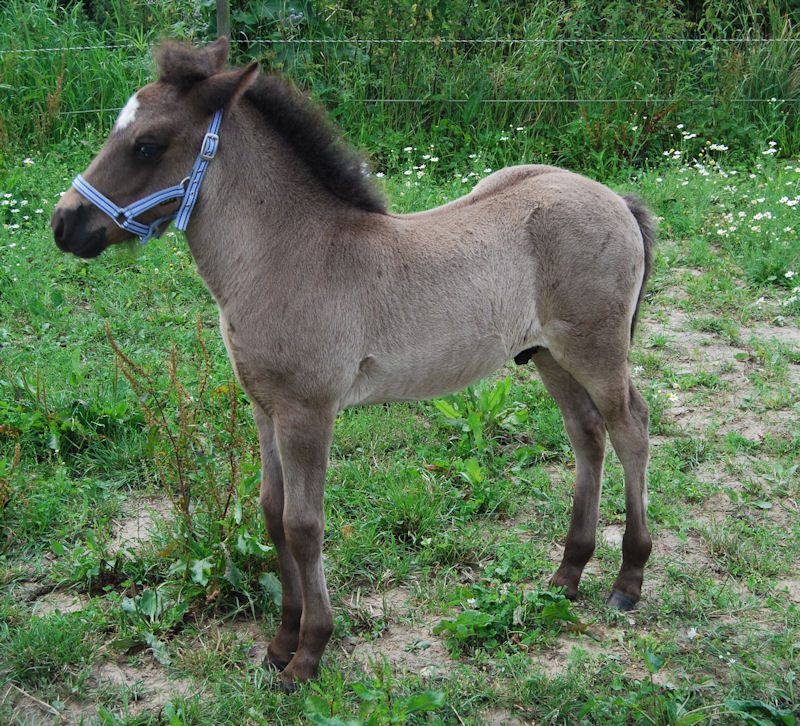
[186, 191]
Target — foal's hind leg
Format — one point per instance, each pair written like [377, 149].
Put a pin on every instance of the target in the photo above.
[285, 642]
[586, 432]
[626, 418]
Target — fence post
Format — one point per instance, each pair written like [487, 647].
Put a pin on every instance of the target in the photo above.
[223, 18]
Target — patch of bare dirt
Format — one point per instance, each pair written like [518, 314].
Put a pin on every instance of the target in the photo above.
[732, 407]
[25, 708]
[789, 588]
[501, 717]
[138, 522]
[242, 629]
[406, 641]
[59, 602]
[146, 685]
[789, 335]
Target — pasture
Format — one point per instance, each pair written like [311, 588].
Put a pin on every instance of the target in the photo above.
[138, 585]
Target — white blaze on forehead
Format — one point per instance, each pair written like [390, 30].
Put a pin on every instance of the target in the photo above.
[128, 114]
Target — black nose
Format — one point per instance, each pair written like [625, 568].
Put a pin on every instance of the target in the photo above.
[71, 231]
[59, 229]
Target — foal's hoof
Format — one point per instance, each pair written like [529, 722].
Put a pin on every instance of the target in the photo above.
[288, 685]
[620, 600]
[568, 589]
[271, 663]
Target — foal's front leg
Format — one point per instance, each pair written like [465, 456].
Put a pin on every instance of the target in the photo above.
[303, 439]
[284, 644]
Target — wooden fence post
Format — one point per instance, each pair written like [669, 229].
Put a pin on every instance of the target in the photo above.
[224, 18]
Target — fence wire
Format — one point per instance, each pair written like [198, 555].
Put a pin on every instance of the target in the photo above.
[436, 41]
[432, 42]
[508, 101]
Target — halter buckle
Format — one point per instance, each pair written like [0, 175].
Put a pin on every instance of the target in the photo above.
[209, 147]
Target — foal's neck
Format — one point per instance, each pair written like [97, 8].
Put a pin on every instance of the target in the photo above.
[262, 212]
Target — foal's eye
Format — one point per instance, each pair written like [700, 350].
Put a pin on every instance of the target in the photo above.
[147, 150]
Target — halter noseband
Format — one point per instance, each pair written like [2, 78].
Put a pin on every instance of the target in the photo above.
[186, 191]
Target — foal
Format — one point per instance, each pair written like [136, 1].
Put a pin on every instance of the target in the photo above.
[326, 300]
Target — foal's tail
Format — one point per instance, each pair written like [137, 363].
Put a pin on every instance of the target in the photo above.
[647, 226]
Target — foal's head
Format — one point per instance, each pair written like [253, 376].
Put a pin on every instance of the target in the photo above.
[153, 144]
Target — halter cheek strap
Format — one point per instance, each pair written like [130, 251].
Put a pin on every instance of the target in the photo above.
[187, 191]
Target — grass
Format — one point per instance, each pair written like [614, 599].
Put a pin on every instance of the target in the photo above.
[444, 517]
[564, 93]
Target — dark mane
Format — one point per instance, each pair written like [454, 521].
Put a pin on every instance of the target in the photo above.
[307, 130]
[297, 120]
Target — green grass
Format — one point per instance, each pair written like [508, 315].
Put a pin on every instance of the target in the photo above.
[564, 94]
[447, 512]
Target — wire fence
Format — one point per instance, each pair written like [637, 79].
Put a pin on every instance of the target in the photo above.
[435, 42]
[698, 43]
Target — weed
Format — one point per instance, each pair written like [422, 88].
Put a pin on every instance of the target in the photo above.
[498, 611]
[6, 473]
[378, 702]
[484, 413]
[218, 542]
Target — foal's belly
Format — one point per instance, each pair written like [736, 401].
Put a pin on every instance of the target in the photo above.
[419, 374]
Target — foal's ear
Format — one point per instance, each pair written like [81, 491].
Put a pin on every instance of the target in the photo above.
[222, 89]
[218, 53]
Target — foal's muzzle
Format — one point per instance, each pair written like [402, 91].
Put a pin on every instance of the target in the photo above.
[72, 233]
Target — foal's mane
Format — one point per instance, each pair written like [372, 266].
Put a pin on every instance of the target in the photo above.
[302, 125]
[305, 127]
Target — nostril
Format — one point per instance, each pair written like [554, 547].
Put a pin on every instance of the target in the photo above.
[59, 226]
